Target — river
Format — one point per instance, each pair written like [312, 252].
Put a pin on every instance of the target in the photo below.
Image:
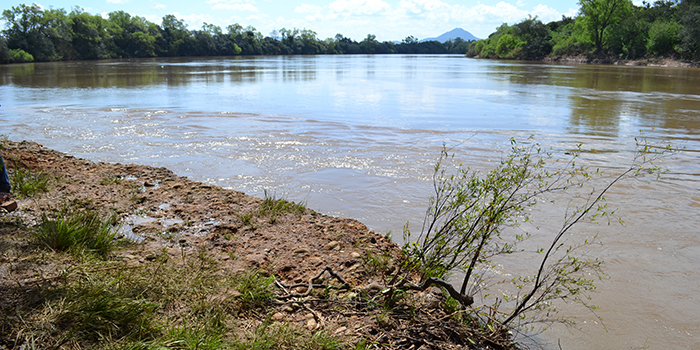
[357, 136]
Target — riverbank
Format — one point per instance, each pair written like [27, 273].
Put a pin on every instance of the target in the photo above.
[649, 62]
[204, 266]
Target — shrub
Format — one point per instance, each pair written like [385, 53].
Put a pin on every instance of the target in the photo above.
[507, 46]
[469, 211]
[20, 56]
[663, 37]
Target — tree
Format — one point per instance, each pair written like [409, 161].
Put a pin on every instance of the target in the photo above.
[690, 33]
[468, 213]
[133, 36]
[43, 34]
[600, 14]
[178, 40]
[4, 51]
[536, 38]
[90, 39]
[369, 44]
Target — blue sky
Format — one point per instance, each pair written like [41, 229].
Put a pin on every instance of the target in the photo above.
[387, 19]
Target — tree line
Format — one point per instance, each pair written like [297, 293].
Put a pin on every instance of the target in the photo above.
[36, 34]
[603, 28]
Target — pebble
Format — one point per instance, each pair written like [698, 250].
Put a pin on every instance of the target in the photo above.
[355, 255]
[332, 245]
[311, 324]
[278, 316]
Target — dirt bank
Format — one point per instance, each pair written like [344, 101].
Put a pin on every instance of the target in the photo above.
[650, 62]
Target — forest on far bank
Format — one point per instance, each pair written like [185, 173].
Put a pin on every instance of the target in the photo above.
[36, 34]
[609, 29]
[603, 28]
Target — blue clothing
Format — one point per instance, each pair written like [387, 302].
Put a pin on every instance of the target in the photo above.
[4, 179]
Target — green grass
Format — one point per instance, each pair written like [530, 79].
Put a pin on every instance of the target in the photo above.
[95, 310]
[109, 180]
[26, 184]
[269, 336]
[78, 231]
[377, 264]
[272, 207]
[254, 288]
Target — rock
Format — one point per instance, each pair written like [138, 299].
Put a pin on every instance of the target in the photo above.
[149, 183]
[332, 245]
[311, 324]
[301, 251]
[316, 261]
[278, 316]
[355, 255]
[373, 288]
[9, 206]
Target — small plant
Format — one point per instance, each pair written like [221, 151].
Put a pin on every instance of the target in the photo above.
[83, 230]
[246, 219]
[109, 180]
[377, 263]
[255, 289]
[272, 207]
[25, 184]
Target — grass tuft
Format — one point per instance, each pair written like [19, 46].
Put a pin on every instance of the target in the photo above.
[25, 184]
[272, 207]
[269, 335]
[255, 289]
[78, 231]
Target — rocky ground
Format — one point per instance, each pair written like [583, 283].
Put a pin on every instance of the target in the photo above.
[164, 213]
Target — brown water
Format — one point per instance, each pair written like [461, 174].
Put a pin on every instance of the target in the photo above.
[357, 136]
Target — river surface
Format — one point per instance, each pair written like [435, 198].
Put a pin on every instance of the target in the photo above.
[357, 136]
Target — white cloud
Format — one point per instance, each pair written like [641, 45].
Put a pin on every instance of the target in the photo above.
[117, 1]
[306, 9]
[314, 18]
[233, 5]
[159, 6]
[359, 7]
[546, 14]
[424, 7]
[193, 20]
[503, 12]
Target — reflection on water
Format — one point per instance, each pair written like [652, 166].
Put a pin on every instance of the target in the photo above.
[357, 136]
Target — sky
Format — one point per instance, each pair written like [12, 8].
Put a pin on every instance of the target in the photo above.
[387, 19]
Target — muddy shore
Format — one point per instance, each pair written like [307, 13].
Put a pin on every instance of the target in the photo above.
[167, 210]
[169, 218]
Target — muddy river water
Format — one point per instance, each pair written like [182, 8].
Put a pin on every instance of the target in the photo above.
[357, 136]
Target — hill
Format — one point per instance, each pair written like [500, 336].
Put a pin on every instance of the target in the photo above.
[453, 34]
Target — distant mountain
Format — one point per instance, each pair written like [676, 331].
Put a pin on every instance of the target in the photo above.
[453, 34]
